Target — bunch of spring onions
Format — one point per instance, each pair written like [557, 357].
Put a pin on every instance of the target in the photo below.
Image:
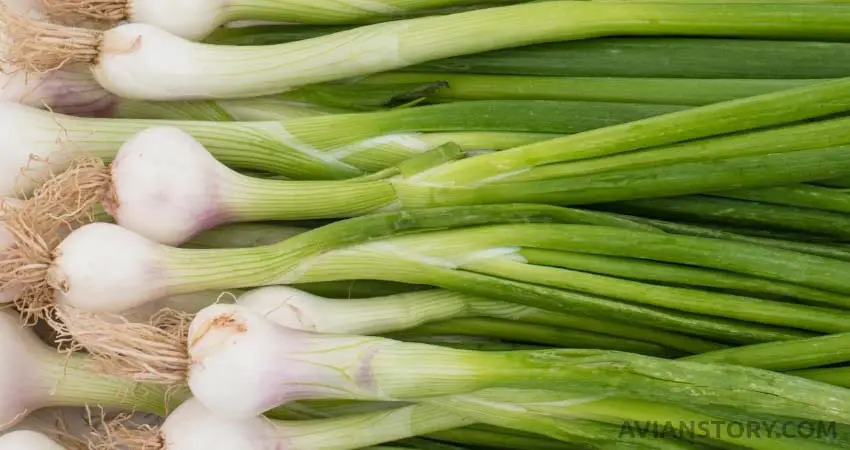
[425, 224]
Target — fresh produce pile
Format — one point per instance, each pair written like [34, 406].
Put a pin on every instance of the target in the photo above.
[425, 224]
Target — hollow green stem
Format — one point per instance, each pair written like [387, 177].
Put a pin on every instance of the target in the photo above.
[533, 334]
[766, 110]
[455, 247]
[666, 91]
[676, 341]
[828, 251]
[802, 195]
[658, 380]
[784, 356]
[635, 419]
[707, 209]
[826, 133]
[839, 376]
[678, 275]
[695, 301]
[665, 181]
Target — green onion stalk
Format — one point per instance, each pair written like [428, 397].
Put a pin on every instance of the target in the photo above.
[669, 91]
[216, 72]
[836, 376]
[265, 365]
[719, 118]
[619, 57]
[802, 195]
[830, 250]
[680, 275]
[527, 333]
[785, 139]
[741, 213]
[37, 376]
[500, 251]
[184, 207]
[552, 413]
[300, 310]
[319, 147]
[487, 262]
[784, 356]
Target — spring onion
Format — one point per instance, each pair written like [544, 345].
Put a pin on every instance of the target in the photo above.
[164, 173]
[36, 376]
[265, 365]
[137, 70]
[302, 245]
[620, 57]
[316, 147]
[86, 272]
